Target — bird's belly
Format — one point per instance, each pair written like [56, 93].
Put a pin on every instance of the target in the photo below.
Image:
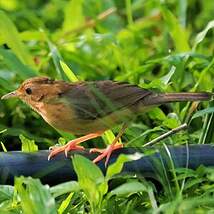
[77, 126]
[64, 119]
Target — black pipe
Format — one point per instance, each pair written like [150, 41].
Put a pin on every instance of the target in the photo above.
[59, 169]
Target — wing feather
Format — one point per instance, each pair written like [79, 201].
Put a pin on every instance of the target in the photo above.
[92, 100]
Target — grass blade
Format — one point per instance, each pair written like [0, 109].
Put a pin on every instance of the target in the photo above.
[200, 36]
[208, 127]
[69, 73]
[73, 15]
[203, 112]
[177, 32]
[10, 36]
[28, 145]
[34, 197]
[60, 189]
[16, 65]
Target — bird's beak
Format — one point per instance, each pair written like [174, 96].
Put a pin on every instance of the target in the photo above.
[9, 95]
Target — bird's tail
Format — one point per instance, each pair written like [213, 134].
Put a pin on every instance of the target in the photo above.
[158, 99]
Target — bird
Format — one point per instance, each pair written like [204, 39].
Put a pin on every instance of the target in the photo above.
[89, 108]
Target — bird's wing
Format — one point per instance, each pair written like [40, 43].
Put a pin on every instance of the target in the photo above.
[98, 99]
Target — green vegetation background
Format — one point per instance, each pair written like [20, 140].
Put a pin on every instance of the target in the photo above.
[161, 45]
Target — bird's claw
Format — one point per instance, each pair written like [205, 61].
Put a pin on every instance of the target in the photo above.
[66, 148]
[54, 147]
[74, 147]
[105, 152]
[55, 150]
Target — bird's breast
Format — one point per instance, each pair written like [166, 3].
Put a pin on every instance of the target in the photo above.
[63, 117]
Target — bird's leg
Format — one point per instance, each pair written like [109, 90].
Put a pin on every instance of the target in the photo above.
[73, 144]
[114, 146]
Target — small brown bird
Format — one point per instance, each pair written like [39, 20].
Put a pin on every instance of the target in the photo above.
[91, 108]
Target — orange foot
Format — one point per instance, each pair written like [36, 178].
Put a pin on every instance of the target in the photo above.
[68, 147]
[72, 145]
[106, 152]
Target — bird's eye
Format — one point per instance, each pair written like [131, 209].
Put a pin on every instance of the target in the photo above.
[28, 91]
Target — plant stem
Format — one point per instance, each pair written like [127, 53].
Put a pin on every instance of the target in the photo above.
[165, 135]
[129, 12]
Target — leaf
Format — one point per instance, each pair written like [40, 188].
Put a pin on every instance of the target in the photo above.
[171, 123]
[157, 114]
[165, 79]
[210, 174]
[200, 36]
[34, 197]
[6, 192]
[3, 147]
[182, 11]
[56, 56]
[109, 137]
[195, 181]
[32, 35]
[85, 169]
[73, 15]
[203, 112]
[65, 203]
[208, 126]
[6, 85]
[116, 167]
[90, 179]
[15, 65]
[60, 189]
[129, 12]
[27, 144]
[69, 73]
[128, 189]
[177, 32]
[10, 36]
[2, 131]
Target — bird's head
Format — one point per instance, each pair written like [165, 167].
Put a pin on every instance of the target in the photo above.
[38, 90]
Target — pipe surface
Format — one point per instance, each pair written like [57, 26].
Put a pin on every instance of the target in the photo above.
[59, 169]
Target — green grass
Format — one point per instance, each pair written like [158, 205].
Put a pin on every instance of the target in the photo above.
[160, 45]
